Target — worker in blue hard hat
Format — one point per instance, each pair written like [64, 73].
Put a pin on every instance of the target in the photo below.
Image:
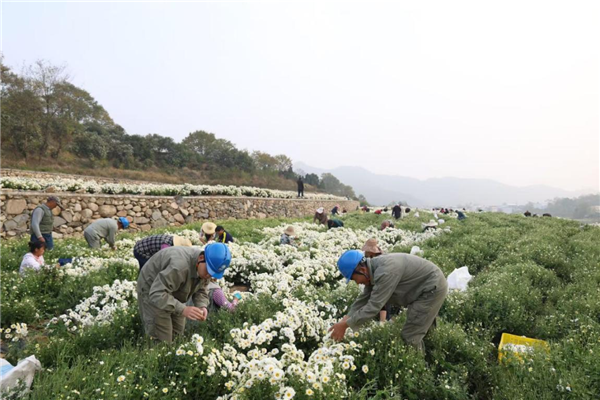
[397, 279]
[105, 228]
[172, 277]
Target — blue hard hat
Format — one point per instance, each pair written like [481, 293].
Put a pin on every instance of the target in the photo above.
[348, 263]
[124, 221]
[218, 258]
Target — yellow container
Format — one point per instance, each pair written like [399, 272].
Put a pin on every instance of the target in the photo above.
[519, 346]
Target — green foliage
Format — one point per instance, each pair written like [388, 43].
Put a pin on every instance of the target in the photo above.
[534, 277]
[44, 114]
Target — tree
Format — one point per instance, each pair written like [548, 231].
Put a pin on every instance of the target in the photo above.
[43, 111]
[332, 185]
[90, 145]
[22, 112]
[264, 161]
[283, 163]
[199, 142]
[312, 179]
[363, 200]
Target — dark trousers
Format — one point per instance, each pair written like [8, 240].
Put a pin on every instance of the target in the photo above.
[300, 192]
[141, 259]
[47, 238]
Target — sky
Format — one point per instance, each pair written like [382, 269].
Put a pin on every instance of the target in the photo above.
[506, 90]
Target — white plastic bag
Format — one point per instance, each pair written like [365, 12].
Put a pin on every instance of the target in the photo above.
[459, 279]
[23, 372]
[416, 251]
[441, 221]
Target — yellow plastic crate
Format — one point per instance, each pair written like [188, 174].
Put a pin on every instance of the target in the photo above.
[514, 343]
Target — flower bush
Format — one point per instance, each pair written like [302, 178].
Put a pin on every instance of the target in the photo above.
[151, 189]
[534, 277]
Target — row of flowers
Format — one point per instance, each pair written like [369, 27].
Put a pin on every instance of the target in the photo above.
[274, 351]
[151, 189]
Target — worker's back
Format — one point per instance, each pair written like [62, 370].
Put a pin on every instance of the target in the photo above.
[415, 276]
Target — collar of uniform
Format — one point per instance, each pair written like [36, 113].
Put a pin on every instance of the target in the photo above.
[371, 269]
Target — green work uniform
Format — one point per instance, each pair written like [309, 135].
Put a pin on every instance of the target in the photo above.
[402, 280]
[105, 228]
[167, 281]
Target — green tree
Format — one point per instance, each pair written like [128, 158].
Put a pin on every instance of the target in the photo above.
[265, 161]
[22, 113]
[312, 179]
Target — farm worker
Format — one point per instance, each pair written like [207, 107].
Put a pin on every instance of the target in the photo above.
[429, 226]
[334, 210]
[150, 245]
[218, 300]
[334, 223]
[397, 211]
[461, 215]
[320, 216]
[207, 232]
[105, 228]
[222, 235]
[386, 224]
[378, 212]
[34, 260]
[42, 222]
[395, 279]
[287, 237]
[171, 278]
[300, 187]
[371, 249]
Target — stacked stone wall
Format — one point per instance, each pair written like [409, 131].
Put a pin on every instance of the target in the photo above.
[147, 212]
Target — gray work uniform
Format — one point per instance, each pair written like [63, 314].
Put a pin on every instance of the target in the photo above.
[42, 221]
[402, 280]
[167, 281]
[105, 228]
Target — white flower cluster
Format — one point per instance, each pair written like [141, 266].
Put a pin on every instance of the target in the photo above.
[91, 186]
[85, 265]
[313, 260]
[15, 333]
[100, 307]
[248, 361]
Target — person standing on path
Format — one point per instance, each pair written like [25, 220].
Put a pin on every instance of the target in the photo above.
[397, 211]
[42, 222]
[170, 279]
[396, 279]
[105, 228]
[145, 248]
[300, 187]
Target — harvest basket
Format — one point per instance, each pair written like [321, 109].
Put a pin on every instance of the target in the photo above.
[518, 346]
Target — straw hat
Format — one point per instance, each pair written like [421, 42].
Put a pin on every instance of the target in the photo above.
[371, 246]
[209, 228]
[320, 210]
[289, 231]
[180, 241]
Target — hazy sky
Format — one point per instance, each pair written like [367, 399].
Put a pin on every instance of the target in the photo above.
[506, 90]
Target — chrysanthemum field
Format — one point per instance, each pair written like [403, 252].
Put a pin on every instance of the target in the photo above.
[538, 277]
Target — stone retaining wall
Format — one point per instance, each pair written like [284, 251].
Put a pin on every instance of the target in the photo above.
[147, 212]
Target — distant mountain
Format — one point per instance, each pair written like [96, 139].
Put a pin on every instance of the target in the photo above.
[440, 192]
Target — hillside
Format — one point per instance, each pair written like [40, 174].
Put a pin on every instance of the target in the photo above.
[50, 124]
